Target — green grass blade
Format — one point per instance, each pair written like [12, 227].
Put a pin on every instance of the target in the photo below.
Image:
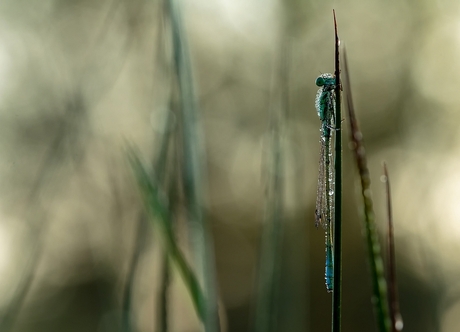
[156, 205]
[162, 315]
[192, 166]
[379, 285]
[160, 167]
[337, 294]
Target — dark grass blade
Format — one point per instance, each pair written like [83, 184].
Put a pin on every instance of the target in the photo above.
[396, 318]
[172, 168]
[379, 285]
[337, 294]
[156, 206]
[163, 313]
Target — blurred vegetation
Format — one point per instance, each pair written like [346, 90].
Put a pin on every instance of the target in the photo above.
[80, 78]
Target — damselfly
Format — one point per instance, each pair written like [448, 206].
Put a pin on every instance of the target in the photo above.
[325, 106]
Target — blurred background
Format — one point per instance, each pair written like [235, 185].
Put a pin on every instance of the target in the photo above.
[78, 79]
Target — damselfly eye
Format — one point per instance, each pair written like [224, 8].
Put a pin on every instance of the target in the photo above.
[320, 81]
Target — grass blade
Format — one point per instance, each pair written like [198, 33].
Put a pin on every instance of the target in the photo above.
[269, 273]
[156, 206]
[337, 294]
[192, 166]
[379, 286]
[396, 318]
[160, 166]
[162, 315]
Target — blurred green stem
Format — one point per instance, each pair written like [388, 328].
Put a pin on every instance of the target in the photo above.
[268, 282]
[156, 206]
[379, 285]
[192, 166]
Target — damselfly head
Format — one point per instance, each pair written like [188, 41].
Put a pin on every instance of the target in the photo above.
[325, 79]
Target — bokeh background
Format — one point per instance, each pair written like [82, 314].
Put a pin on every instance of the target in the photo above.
[78, 79]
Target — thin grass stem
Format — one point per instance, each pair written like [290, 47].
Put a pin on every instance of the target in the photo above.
[269, 273]
[337, 244]
[396, 318]
[157, 208]
[379, 285]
